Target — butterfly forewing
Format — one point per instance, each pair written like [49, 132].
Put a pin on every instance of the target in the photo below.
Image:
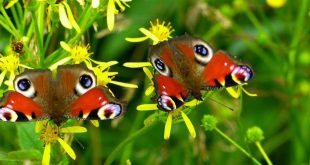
[72, 94]
[190, 63]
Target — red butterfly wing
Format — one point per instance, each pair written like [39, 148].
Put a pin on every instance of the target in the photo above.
[17, 107]
[170, 93]
[221, 71]
[97, 103]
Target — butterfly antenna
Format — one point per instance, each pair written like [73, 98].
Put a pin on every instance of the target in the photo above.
[230, 108]
[78, 142]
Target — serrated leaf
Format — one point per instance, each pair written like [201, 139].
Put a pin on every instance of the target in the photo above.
[27, 137]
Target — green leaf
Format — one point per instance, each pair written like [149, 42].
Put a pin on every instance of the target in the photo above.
[25, 155]
[27, 137]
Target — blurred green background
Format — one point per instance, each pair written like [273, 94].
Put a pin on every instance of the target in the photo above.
[274, 41]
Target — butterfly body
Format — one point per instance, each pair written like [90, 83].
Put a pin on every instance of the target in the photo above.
[189, 64]
[71, 94]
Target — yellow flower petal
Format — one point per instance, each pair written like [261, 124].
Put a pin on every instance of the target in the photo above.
[276, 3]
[150, 35]
[95, 123]
[235, 94]
[67, 148]
[81, 2]
[95, 3]
[168, 127]
[110, 14]
[63, 17]
[248, 93]
[10, 81]
[147, 107]
[121, 6]
[104, 65]
[137, 64]
[2, 75]
[60, 62]
[10, 4]
[65, 46]
[46, 154]
[127, 85]
[71, 18]
[138, 39]
[149, 90]
[148, 73]
[192, 103]
[128, 162]
[25, 66]
[112, 73]
[73, 129]
[189, 125]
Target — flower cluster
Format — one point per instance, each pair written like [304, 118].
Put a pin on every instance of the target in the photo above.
[50, 133]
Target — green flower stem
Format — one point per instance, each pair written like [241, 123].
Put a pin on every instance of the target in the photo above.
[237, 145]
[7, 20]
[129, 139]
[16, 18]
[21, 14]
[5, 26]
[86, 19]
[262, 151]
[257, 24]
[128, 148]
[296, 38]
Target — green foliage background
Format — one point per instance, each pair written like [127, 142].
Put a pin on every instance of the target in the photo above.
[274, 41]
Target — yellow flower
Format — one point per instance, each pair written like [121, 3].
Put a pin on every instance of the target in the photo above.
[65, 15]
[236, 93]
[78, 53]
[10, 65]
[173, 114]
[50, 134]
[157, 33]
[111, 11]
[276, 3]
[105, 77]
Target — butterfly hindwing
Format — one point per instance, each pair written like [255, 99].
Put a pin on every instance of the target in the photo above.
[25, 103]
[97, 103]
[170, 94]
[221, 71]
[17, 107]
[89, 101]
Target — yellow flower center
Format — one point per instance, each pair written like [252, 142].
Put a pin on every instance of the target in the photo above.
[9, 63]
[175, 113]
[102, 76]
[161, 31]
[50, 133]
[80, 53]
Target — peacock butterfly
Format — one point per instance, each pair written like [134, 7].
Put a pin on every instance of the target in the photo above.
[72, 94]
[187, 65]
